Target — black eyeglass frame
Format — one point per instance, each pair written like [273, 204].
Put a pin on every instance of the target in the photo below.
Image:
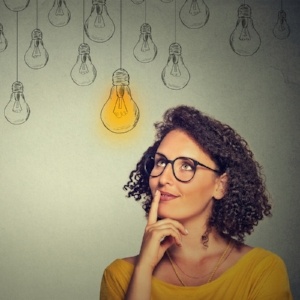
[168, 161]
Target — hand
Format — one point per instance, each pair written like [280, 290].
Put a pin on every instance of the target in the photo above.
[159, 236]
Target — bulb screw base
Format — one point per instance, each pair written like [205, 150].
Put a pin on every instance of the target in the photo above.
[281, 15]
[244, 11]
[37, 34]
[120, 77]
[146, 28]
[17, 87]
[97, 2]
[84, 49]
[175, 48]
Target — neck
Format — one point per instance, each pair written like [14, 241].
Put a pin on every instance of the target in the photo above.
[193, 246]
[202, 268]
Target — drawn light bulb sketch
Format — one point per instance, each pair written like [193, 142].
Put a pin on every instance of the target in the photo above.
[17, 111]
[175, 75]
[83, 72]
[99, 26]
[36, 57]
[16, 5]
[59, 15]
[244, 39]
[3, 40]
[145, 50]
[194, 13]
[120, 113]
[281, 29]
[137, 1]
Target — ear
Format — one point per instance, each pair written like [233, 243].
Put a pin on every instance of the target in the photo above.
[221, 186]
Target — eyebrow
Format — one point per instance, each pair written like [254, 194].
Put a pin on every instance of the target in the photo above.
[199, 163]
[183, 156]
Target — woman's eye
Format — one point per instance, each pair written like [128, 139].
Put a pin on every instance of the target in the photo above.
[186, 166]
[161, 163]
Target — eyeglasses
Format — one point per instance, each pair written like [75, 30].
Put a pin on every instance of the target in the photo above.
[184, 168]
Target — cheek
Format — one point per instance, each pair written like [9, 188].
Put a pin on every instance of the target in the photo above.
[153, 185]
[204, 189]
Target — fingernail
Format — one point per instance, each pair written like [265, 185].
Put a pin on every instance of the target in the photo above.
[186, 231]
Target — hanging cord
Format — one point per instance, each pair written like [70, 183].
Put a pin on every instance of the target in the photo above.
[120, 34]
[37, 14]
[145, 11]
[281, 7]
[17, 48]
[83, 14]
[175, 20]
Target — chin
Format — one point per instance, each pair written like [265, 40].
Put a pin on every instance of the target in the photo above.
[165, 215]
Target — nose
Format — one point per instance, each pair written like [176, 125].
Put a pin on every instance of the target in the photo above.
[167, 176]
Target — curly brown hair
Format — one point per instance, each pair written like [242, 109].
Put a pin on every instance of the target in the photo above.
[246, 200]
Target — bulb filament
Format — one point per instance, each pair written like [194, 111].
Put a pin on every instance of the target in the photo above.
[282, 26]
[36, 51]
[83, 68]
[245, 35]
[99, 22]
[175, 71]
[145, 46]
[120, 108]
[195, 10]
[17, 108]
[59, 11]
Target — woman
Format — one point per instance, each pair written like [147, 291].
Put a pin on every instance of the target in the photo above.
[203, 192]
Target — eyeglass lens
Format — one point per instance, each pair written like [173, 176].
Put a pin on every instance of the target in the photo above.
[183, 168]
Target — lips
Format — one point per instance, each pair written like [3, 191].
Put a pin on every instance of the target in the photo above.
[166, 196]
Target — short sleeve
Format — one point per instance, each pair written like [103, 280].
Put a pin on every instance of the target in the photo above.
[115, 280]
[272, 282]
[109, 288]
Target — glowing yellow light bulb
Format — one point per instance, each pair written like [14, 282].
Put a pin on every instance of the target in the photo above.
[120, 113]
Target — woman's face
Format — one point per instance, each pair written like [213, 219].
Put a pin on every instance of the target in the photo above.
[185, 200]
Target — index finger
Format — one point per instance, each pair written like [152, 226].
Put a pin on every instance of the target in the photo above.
[152, 217]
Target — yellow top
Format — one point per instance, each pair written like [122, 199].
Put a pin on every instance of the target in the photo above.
[258, 275]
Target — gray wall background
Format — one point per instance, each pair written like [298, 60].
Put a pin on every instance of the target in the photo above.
[63, 214]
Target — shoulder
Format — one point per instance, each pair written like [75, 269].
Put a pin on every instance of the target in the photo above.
[119, 267]
[115, 279]
[261, 262]
[264, 255]
[258, 254]
[262, 265]
[131, 259]
[269, 274]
